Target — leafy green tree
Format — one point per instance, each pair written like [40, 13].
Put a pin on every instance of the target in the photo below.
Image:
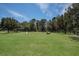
[8, 23]
[71, 17]
[42, 24]
[25, 26]
[32, 25]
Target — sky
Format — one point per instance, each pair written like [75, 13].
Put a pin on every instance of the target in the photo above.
[27, 11]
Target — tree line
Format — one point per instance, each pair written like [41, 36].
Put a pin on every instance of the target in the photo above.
[68, 22]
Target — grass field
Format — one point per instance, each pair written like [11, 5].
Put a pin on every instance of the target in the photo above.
[38, 43]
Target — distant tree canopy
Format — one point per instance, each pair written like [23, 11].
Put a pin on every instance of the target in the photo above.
[61, 23]
[8, 23]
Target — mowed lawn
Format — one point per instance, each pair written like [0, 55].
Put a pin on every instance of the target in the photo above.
[38, 43]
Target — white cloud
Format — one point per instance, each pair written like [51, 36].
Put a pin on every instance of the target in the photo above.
[16, 14]
[44, 7]
[64, 9]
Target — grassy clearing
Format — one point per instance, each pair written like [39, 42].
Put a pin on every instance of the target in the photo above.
[37, 43]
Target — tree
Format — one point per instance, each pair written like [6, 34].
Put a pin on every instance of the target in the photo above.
[32, 25]
[42, 25]
[37, 25]
[8, 23]
[25, 26]
[49, 26]
[71, 19]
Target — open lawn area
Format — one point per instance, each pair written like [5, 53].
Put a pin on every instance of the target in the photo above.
[38, 43]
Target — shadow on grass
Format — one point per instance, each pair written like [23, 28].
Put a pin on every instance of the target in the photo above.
[5, 32]
[75, 38]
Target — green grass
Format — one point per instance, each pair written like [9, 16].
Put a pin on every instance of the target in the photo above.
[38, 43]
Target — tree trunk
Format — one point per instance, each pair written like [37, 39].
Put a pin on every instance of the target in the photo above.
[8, 30]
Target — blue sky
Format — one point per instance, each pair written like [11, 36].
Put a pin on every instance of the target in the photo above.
[27, 11]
